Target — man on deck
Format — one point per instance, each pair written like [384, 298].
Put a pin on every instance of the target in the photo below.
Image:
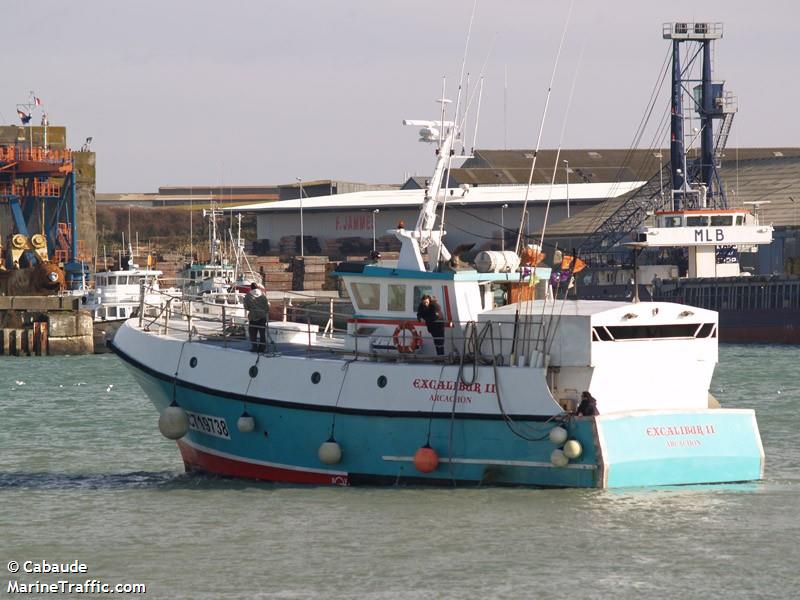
[257, 307]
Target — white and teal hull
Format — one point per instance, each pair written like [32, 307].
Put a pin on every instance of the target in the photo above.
[379, 429]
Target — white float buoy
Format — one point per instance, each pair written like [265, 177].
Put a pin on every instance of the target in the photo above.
[246, 423]
[573, 449]
[173, 422]
[330, 452]
[558, 458]
[558, 435]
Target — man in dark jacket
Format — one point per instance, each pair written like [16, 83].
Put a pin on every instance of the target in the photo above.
[257, 307]
[430, 312]
[588, 406]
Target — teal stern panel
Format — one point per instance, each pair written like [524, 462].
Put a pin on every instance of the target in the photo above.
[646, 448]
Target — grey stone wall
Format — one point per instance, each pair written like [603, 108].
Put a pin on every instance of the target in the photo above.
[86, 189]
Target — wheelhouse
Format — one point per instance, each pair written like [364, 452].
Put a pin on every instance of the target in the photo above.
[705, 218]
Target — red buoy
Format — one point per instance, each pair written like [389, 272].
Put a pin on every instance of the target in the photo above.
[426, 460]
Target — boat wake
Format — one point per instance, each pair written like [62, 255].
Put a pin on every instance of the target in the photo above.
[66, 481]
[160, 480]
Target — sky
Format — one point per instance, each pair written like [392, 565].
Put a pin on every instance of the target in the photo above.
[178, 92]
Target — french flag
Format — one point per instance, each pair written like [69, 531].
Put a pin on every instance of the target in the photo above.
[37, 101]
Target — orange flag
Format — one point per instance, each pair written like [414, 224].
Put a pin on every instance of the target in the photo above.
[566, 262]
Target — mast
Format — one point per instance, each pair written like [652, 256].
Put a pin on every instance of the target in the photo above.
[424, 236]
[214, 242]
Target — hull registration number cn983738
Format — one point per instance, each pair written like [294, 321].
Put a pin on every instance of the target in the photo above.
[208, 425]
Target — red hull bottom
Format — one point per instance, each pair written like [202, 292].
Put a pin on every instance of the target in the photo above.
[195, 459]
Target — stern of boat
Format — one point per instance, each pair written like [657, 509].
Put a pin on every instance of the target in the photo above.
[649, 448]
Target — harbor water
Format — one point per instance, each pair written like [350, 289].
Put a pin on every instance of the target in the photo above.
[85, 475]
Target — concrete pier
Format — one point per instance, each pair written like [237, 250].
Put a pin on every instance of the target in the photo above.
[44, 326]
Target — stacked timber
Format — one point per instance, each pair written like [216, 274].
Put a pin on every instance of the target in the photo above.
[289, 245]
[343, 246]
[309, 272]
[276, 274]
[170, 264]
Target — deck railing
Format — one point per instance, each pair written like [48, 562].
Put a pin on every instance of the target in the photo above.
[179, 315]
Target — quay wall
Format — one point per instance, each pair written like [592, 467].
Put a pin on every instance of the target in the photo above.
[44, 326]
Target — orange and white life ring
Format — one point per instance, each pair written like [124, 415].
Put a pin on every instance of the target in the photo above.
[399, 338]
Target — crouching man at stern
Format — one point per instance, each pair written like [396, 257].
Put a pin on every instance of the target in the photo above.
[257, 307]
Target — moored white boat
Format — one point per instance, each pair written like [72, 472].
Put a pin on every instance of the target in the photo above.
[117, 296]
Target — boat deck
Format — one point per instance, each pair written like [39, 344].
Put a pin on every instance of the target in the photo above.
[321, 346]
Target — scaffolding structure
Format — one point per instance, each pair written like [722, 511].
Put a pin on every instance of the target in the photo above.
[38, 197]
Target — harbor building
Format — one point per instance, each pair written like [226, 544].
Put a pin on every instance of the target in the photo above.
[488, 190]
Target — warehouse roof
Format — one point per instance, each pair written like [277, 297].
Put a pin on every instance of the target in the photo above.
[487, 195]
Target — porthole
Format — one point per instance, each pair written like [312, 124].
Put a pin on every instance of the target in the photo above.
[382, 381]
[315, 377]
[193, 362]
[253, 371]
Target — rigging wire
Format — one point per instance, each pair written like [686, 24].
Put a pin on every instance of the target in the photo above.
[345, 368]
[456, 132]
[477, 118]
[544, 331]
[655, 142]
[541, 126]
[513, 426]
[601, 216]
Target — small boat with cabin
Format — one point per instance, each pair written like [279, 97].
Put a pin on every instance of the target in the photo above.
[117, 296]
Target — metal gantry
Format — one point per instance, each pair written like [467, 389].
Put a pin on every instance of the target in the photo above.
[683, 182]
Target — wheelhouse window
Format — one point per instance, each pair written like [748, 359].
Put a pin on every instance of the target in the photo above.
[697, 221]
[721, 220]
[673, 221]
[419, 292]
[740, 219]
[396, 298]
[367, 295]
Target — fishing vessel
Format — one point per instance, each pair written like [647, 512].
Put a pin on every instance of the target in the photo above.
[378, 404]
[216, 288]
[117, 296]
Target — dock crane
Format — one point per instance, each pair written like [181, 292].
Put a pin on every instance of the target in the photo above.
[682, 182]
